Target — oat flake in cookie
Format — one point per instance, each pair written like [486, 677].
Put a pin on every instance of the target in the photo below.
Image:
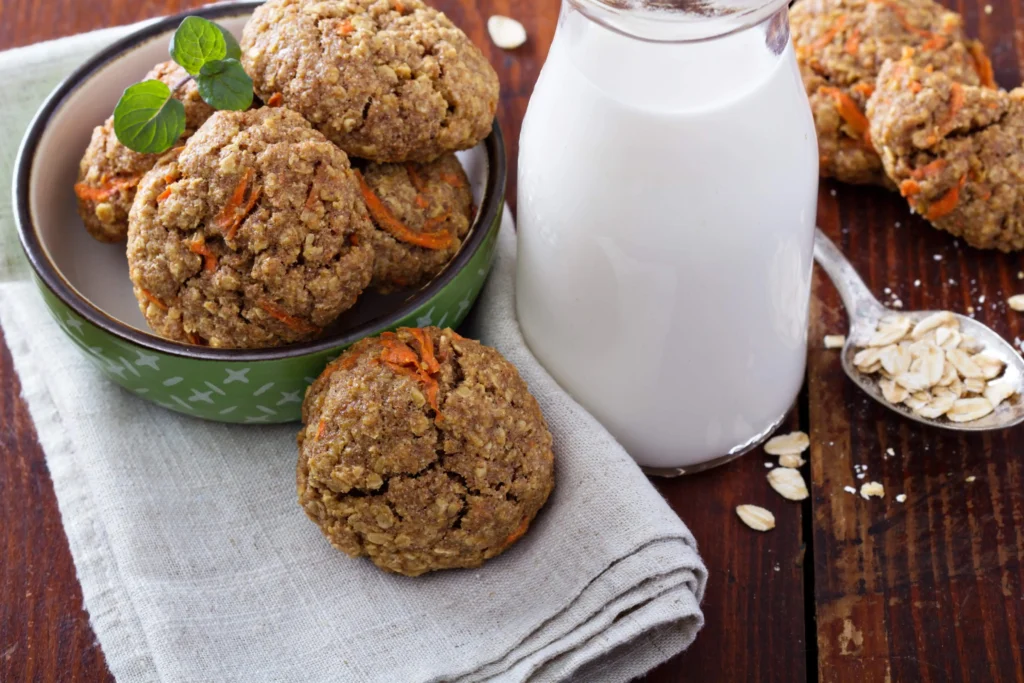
[422, 450]
[109, 172]
[386, 80]
[255, 235]
[842, 44]
[421, 213]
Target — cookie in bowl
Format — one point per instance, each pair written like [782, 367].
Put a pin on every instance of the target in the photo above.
[423, 451]
[109, 172]
[386, 80]
[421, 213]
[254, 236]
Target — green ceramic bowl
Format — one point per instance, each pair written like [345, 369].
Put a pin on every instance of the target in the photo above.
[86, 287]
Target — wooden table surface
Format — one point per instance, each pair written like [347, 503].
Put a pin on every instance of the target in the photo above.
[842, 590]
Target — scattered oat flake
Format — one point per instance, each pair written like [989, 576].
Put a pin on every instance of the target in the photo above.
[1016, 302]
[793, 443]
[850, 489]
[981, 299]
[937, 257]
[769, 465]
[834, 341]
[790, 460]
[988, 9]
[872, 489]
[917, 283]
[970, 479]
[757, 518]
[788, 483]
[901, 498]
[832, 192]
[506, 32]
[890, 451]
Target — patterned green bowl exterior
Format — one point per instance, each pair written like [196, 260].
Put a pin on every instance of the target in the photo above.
[264, 391]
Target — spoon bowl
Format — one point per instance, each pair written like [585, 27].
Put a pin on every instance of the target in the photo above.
[865, 311]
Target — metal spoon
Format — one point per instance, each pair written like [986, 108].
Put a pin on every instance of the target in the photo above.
[865, 311]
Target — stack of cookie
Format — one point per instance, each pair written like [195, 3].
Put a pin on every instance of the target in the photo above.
[903, 99]
[263, 226]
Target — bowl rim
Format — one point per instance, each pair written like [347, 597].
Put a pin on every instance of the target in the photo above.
[44, 268]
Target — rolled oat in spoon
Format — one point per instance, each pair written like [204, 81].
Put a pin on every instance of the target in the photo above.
[506, 32]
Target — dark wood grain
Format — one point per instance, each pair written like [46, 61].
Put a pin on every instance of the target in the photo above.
[930, 589]
[754, 607]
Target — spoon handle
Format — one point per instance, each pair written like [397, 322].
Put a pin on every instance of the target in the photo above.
[859, 301]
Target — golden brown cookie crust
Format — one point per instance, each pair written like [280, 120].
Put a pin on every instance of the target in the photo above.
[109, 172]
[840, 47]
[385, 474]
[432, 200]
[386, 80]
[956, 151]
[254, 236]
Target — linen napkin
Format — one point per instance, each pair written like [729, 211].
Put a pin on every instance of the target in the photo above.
[197, 564]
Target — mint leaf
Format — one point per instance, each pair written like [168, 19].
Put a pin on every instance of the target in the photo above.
[198, 42]
[148, 119]
[223, 84]
[234, 50]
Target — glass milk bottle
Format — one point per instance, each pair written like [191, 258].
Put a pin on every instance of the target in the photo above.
[668, 174]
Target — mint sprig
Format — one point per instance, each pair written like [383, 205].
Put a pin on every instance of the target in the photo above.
[150, 120]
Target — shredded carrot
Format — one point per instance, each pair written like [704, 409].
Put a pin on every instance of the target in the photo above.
[170, 178]
[909, 188]
[453, 180]
[164, 195]
[346, 27]
[982, 64]
[928, 170]
[354, 239]
[108, 186]
[275, 100]
[314, 190]
[400, 357]
[864, 88]
[399, 7]
[956, 103]
[518, 533]
[152, 299]
[194, 339]
[849, 111]
[946, 203]
[986, 195]
[829, 35]
[198, 246]
[320, 429]
[227, 220]
[853, 42]
[936, 42]
[398, 352]
[292, 322]
[421, 202]
[432, 225]
[426, 349]
[415, 178]
[387, 221]
[915, 87]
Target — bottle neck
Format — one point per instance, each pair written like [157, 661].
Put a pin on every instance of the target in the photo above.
[673, 21]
